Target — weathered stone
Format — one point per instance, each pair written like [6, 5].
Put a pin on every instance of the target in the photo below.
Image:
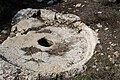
[69, 18]
[24, 14]
[49, 45]
[47, 14]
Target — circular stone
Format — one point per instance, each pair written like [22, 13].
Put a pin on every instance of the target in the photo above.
[48, 43]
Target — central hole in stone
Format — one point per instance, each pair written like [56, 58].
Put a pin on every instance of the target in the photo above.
[45, 42]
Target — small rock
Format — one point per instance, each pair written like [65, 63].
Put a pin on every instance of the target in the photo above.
[106, 29]
[99, 25]
[108, 48]
[112, 60]
[4, 32]
[94, 66]
[1, 72]
[50, 2]
[116, 53]
[97, 69]
[113, 44]
[106, 67]
[110, 42]
[99, 12]
[96, 30]
[82, 5]
[77, 9]
[101, 54]
[78, 5]
[109, 56]
[69, 8]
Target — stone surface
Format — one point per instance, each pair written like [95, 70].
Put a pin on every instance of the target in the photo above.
[47, 44]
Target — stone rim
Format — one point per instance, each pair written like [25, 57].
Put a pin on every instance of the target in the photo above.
[79, 26]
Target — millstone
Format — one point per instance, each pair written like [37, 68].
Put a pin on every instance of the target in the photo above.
[47, 44]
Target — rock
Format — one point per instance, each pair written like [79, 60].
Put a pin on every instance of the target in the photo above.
[4, 32]
[50, 2]
[24, 14]
[47, 14]
[50, 45]
[78, 5]
[66, 18]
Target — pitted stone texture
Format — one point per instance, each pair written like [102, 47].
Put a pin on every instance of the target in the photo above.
[57, 44]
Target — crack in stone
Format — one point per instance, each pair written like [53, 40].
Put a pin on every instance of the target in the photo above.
[8, 61]
[32, 59]
[44, 31]
[34, 29]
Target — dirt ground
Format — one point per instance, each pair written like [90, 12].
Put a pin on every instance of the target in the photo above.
[104, 19]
